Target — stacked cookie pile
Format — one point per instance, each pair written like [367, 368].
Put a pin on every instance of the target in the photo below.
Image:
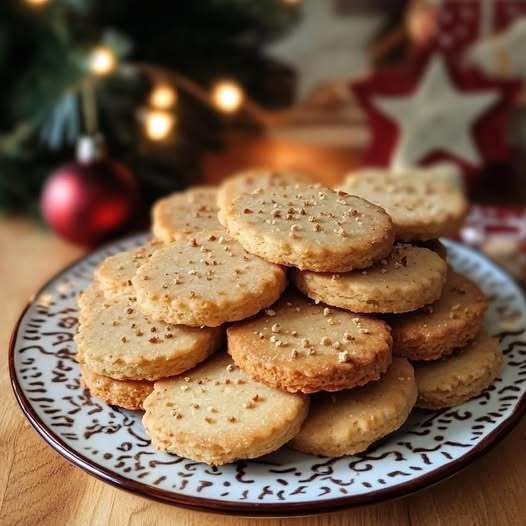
[312, 364]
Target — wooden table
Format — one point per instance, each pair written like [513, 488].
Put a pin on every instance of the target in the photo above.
[37, 486]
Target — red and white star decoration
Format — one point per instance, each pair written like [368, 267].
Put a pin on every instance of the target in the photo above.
[431, 112]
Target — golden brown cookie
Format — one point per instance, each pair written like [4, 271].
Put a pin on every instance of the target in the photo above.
[185, 213]
[348, 422]
[455, 379]
[438, 329]
[116, 339]
[114, 274]
[310, 227]
[217, 414]
[207, 279]
[253, 180]
[129, 394]
[299, 346]
[409, 278]
[423, 204]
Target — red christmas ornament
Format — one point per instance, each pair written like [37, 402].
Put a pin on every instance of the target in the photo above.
[87, 200]
[427, 112]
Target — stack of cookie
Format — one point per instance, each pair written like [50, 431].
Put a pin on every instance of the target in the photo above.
[153, 313]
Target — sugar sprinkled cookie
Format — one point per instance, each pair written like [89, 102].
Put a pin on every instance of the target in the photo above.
[406, 280]
[299, 346]
[116, 339]
[207, 279]
[217, 414]
[310, 227]
[423, 205]
[348, 422]
[185, 213]
[129, 394]
[253, 180]
[438, 329]
[455, 379]
[114, 274]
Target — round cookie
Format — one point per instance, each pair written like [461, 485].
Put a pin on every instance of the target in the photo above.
[217, 414]
[409, 278]
[438, 329]
[208, 279]
[348, 422]
[129, 394]
[114, 274]
[185, 213]
[115, 339]
[250, 181]
[300, 346]
[310, 227]
[457, 378]
[423, 204]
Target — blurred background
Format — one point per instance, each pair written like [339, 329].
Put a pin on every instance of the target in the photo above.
[107, 105]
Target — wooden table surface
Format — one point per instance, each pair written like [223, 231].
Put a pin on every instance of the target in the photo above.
[37, 486]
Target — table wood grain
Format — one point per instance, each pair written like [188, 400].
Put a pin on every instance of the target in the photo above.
[37, 486]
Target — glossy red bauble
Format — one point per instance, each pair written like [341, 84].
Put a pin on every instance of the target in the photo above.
[85, 202]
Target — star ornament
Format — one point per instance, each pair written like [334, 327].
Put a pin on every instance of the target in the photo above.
[435, 112]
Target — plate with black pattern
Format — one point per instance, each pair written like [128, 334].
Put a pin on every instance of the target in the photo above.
[111, 443]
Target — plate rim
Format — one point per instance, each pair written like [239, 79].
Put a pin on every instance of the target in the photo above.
[211, 505]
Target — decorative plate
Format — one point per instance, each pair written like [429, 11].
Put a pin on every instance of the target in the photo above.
[111, 443]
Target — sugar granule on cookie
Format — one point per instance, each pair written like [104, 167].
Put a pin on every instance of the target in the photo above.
[185, 213]
[423, 204]
[217, 414]
[310, 227]
[438, 329]
[304, 347]
[457, 378]
[348, 422]
[206, 279]
[116, 339]
[406, 280]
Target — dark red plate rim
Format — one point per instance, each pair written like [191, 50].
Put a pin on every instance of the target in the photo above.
[284, 509]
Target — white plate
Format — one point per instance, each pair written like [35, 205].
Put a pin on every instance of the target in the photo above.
[111, 443]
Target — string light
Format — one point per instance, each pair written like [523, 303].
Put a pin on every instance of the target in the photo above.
[37, 2]
[292, 2]
[163, 97]
[158, 124]
[102, 61]
[227, 96]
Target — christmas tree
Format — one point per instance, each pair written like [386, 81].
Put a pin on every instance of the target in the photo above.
[140, 73]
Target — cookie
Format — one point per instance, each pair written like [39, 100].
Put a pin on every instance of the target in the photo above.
[116, 339]
[457, 378]
[438, 329]
[435, 245]
[217, 414]
[423, 204]
[299, 346]
[409, 278]
[310, 227]
[250, 181]
[207, 279]
[114, 274]
[129, 394]
[348, 422]
[185, 213]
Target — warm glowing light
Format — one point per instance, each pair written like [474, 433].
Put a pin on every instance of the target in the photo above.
[292, 2]
[37, 2]
[102, 61]
[228, 96]
[163, 97]
[158, 124]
